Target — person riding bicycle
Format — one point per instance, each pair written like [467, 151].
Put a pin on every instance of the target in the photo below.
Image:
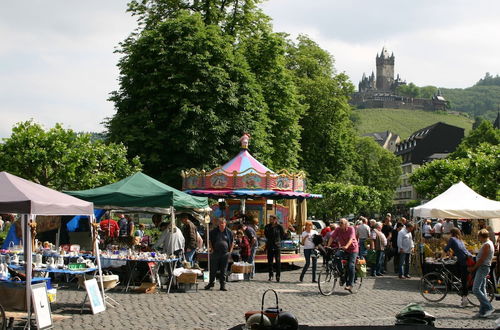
[456, 244]
[345, 236]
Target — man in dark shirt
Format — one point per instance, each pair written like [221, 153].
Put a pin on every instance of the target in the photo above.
[221, 244]
[190, 235]
[274, 233]
[394, 245]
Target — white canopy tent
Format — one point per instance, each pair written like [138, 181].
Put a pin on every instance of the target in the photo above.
[459, 202]
[29, 199]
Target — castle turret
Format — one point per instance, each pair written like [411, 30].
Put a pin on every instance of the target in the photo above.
[385, 70]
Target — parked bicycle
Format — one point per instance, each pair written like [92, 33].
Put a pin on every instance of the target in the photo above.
[435, 286]
[334, 274]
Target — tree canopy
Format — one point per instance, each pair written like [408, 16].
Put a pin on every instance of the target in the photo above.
[196, 75]
[62, 159]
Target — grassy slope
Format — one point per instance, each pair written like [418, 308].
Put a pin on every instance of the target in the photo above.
[404, 122]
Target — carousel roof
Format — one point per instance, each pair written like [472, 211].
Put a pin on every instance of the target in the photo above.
[245, 177]
[244, 162]
[248, 193]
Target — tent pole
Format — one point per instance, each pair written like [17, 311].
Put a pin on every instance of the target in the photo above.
[97, 254]
[172, 216]
[208, 251]
[28, 264]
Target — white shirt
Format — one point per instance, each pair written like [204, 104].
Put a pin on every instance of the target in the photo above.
[405, 241]
[170, 242]
[363, 231]
[308, 244]
[437, 228]
[427, 230]
[447, 226]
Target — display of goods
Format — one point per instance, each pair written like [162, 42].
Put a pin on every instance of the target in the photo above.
[434, 247]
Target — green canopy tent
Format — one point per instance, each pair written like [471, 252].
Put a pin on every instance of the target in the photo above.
[140, 192]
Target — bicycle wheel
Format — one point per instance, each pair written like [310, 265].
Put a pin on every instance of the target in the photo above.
[327, 280]
[433, 287]
[490, 290]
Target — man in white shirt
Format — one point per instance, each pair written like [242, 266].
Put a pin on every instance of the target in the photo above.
[405, 245]
[438, 228]
[362, 233]
[447, 226]
[170, 242]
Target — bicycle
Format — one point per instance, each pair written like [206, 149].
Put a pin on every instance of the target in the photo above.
[434, 286]
[332, 273]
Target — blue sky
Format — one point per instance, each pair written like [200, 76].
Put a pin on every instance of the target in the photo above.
[57, 62]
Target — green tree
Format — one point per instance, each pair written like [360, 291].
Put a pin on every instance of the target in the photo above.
[62, 159]
[427, 92]
[483, 133]
[377, 168]
[409, 90]
[327, 137]
[265, 53]
[479, 170]
[341, 199]
[185, 98]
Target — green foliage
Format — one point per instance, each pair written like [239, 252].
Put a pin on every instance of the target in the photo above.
[327, 137]
[63, 160]
[476, 162]
[404, 122]
[489, 80]
[408, 90]
[265, 53]
[377, 168]
[483, 133]
[185, 98]
[340, 199]
[479, 100]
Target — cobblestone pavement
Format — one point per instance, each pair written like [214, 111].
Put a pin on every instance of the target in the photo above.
[376, 303]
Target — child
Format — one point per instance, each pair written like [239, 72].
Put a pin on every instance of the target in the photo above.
[244, 244]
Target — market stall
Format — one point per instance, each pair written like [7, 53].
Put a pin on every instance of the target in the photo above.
[457, 202]
[244, 178]
[32, 200]
[141, 193]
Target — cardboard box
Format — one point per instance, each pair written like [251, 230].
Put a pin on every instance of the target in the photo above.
[244, 269]
[187, 278]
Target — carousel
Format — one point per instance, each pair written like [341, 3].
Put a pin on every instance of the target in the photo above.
[245, 188]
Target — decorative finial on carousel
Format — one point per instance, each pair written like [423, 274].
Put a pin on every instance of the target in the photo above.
[244, 140]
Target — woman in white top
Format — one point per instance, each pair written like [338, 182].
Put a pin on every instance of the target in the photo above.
[482, 269]
[427, 229]
[307, 240]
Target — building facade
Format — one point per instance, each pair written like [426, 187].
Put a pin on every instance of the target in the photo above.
[425, 145]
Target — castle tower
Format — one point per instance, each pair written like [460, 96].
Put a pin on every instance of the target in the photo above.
[385, 70]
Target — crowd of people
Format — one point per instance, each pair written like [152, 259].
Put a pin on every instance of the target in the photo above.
[381, 240]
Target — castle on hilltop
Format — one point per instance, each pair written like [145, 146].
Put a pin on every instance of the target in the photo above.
[380, 91]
